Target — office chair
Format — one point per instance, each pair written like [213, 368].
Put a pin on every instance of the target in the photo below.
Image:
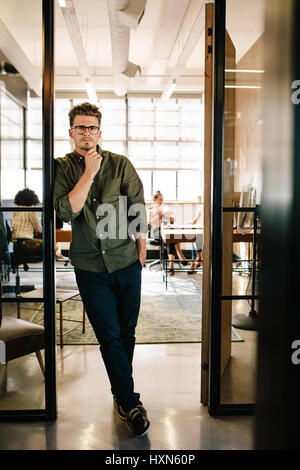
[155, 244]
[25, 251]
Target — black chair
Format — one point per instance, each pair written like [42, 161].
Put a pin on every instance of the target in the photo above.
[59, 225]
[25, 251]
[153, 246]
[5, 260]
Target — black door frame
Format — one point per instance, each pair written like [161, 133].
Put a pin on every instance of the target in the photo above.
[215, 406]
[50, 411]
[278, 405]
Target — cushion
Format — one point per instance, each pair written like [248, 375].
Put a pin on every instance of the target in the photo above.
[13, 328]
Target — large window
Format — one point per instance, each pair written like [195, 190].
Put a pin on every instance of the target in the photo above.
[165, 143]
[12, 144]
[163, 139]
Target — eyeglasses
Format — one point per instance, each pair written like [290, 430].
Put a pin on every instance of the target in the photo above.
[93, 130]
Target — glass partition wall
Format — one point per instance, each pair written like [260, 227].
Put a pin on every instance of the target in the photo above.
[27, 303]
[239, 73]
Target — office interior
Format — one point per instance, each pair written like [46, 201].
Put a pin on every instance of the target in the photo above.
[152, 72]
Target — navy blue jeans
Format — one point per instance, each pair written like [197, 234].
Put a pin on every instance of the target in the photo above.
[112, 303]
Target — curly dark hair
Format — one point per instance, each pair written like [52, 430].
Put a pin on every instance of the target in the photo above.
[85, 109]
[26, 197]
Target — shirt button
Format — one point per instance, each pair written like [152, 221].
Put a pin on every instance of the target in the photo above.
[94, 199]
[103, 252]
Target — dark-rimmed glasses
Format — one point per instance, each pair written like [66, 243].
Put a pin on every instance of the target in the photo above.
[93, 130]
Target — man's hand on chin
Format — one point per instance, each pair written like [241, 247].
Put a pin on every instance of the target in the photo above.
[92, 161]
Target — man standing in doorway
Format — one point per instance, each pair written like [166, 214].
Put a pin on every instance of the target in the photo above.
[89, 184]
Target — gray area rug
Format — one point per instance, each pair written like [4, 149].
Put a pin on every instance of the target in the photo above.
[166, 316]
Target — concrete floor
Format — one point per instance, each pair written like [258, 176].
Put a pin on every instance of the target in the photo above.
[166, 375]
[168, 378]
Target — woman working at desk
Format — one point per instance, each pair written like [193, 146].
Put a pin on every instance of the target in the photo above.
[158, 215]
[26, 227]
[197, 246]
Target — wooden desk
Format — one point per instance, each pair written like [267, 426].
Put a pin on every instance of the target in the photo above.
[63, 235]
[187, 231]
[187, 226]
[182, 235]
[238, 237]
[172, 233]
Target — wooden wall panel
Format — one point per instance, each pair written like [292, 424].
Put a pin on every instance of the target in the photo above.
[208, 116]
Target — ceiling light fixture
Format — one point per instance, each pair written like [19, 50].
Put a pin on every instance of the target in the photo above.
[187, 49]
[62, 3]
[243, 71]
[249, 87]
[91, 92]
[168, 91]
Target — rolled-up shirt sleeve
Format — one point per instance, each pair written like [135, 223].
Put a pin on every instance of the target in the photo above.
[61, 200]
[132, 187]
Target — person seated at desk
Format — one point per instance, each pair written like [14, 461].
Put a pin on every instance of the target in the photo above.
[26, 226]
[5, 261]
[197, 247]
[158, 215]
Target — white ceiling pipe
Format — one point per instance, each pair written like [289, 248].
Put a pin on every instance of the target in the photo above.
[132, 15]
[120, 36]
[190, 43]
[20, 61]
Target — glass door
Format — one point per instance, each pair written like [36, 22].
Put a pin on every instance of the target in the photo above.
[237, 175]
[27, 280]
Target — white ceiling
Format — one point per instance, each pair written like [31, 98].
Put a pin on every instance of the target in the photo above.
[155, 45]
[245, 22]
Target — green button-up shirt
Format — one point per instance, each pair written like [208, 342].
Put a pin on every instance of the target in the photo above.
[97, 246]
